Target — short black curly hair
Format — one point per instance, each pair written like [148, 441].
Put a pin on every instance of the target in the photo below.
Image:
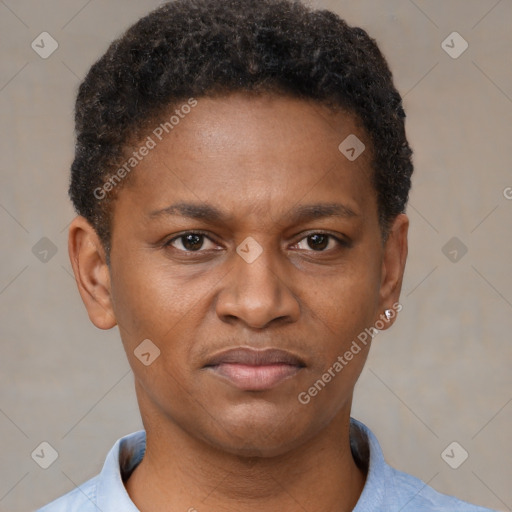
[191, 48]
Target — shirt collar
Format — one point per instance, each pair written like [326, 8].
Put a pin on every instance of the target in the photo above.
[122, 459]
[366, 448]
[128, 452]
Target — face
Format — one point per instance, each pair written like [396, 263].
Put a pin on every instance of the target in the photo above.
[246, 246]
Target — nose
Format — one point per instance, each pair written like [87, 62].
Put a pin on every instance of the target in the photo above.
[258, 293]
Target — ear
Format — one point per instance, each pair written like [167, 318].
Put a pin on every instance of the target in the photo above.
[92, 274]
[393, 267]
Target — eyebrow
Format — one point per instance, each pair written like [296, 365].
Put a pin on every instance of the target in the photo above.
[210, 213]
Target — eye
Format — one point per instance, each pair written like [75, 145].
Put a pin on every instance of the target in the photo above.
[190, 242]
[198, 242]
[319, 242]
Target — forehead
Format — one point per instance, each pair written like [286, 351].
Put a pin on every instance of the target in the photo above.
[254, 154]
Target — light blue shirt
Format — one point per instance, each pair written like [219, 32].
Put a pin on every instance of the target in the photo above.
[385, 490]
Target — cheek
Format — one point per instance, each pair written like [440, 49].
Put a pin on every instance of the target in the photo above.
[346, 303]
[150, 300]
[151, 304]
[154, 301]
[341, 347]
[342, 314]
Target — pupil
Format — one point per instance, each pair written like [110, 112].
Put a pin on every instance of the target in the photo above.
[318, 242]
[192, 242]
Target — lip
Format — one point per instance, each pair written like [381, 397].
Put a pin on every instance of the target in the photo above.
[255, 370]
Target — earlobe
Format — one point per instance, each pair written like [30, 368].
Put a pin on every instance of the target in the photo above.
[92, 275]
[393, 267]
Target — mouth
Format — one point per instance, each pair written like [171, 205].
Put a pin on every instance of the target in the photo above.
[255, 370]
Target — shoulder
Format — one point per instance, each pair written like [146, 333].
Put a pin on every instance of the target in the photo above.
[412, 494]
[106, 490]
[81, 499]
[392, 490]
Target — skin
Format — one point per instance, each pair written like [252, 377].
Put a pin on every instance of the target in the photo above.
[212, 446]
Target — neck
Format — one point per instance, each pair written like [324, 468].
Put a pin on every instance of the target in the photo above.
[180, 472]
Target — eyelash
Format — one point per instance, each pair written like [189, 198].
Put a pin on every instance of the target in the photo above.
[168, 244]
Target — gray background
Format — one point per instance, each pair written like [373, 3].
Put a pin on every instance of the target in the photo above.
[441, 374]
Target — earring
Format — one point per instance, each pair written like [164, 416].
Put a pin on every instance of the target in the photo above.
[388, 314]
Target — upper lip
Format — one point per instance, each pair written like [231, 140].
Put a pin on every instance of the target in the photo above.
[255, 357]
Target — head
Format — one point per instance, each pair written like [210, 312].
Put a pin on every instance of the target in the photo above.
[241, 175]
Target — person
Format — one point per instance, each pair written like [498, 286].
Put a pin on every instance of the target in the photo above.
[241, 177]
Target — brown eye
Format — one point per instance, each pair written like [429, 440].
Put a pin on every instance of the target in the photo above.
[192, 242]
[189, 242]
[318, 242]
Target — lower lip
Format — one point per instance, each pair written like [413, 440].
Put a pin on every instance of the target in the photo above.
[255, 378]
